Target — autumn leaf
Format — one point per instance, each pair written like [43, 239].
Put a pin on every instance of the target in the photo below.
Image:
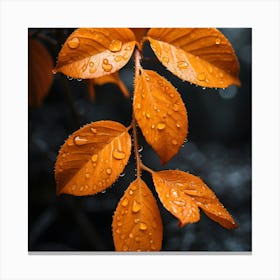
[137, 224]
[182, 194]
[113, 79]
[40, 75]
[160, 113]
[95, 52]
[139, 34]
[92, 158]
[202, 56]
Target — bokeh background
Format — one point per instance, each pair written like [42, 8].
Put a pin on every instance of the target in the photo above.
[218, 149]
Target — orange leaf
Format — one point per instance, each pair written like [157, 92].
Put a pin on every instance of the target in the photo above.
[182, 193]
[94, 52]
[137, 224]
[139, 33]
[202, 56]
[160, 113]
[92, 158]
[114, 79]
[40, 75]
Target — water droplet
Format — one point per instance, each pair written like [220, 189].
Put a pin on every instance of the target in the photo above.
[153, 126]
[136, 220]
[73, 187]
[87, 175]
[78, 140]
[109, 171]
[54, 71]
[161, 126]
[122, 175]
[107, 67]
[81, 188]
[122, 236]
[131, 192]
[218, 41]
[182, 64]
[171, 95]
[74, 43]
[175, 107]
[125, 202]
[94, 157]
[119, 224]
[69, 78]
[201, 77]
[148, 116]
[179, 202]
[118, 154]
[115, 46]
[165, 59]
[178, 125]
[63, 155]
[93, 130]
[135, 206]
[221, 75]
[92, 67]
[128, 48]
[138, 106]
[210, 70]
[140, 149]
[174, 193]
[143, 95]
[142, 226]
[118, 231]
[118, 58]
[154, 224]
[130, 235]
[174, 142]
[151, 241]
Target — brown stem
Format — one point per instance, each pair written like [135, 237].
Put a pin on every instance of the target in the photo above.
[136, 147]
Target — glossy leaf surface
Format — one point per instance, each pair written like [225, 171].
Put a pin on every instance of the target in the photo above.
[92, 158]
[182, 194]
[202, 56]
[94, 52]
[137, 224]
[160, 113]
[40, 75]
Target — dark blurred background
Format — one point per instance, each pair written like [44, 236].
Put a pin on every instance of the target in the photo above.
[218, 150]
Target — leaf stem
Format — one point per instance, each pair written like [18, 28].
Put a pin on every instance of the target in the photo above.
[146, 168]
[135, 145]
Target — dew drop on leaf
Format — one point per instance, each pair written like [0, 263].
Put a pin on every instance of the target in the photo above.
[161, 126]
[143, 226]
[78, 140]
[218, 41]
[109, 171]
[94, 157]
[93, 130]
[115, 46]
[125, 202]
[135, 206]
[118, 58]
[174, 142]
[118, 154]
[175, 107]
[201, 76]
[182, 64]
[74, 43]
[165, 59]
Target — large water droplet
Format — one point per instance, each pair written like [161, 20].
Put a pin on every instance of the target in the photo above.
[74, 43]
[78, 140]
[161, 126]
[201, 76]
[135, 206]
[125, 202]
[115, 46]
[143, 226]
[118, 154]
[107, 67]
[182, 64]
[94, 157]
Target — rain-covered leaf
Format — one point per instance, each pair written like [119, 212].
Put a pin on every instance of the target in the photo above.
[137, 224]
[160, 113]
[92, 158]
[94, 52]
[182, 194]
[40, 75]
[202, 56]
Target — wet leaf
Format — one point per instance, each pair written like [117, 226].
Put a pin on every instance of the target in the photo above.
[113, 79]
[160, 113]
[137, 224]
[92, 158]
[182, 194]
[40, 75]
[95, 52]
[202, 56]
